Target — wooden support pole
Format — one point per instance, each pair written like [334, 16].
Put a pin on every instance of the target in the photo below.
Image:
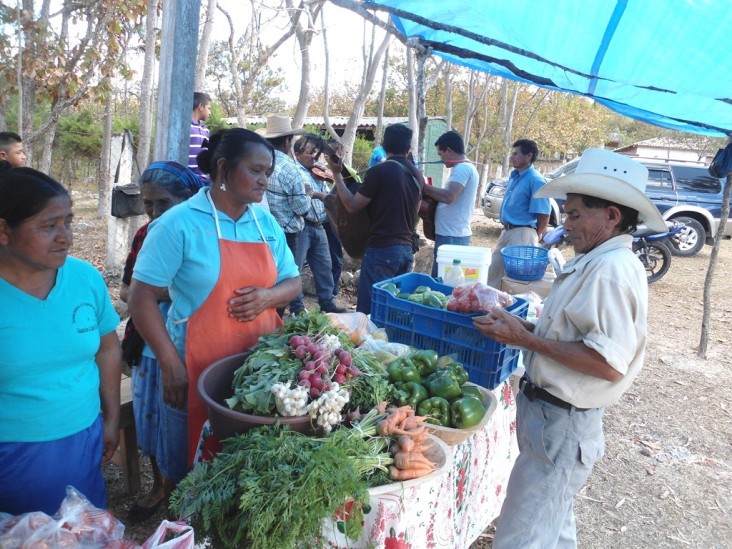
[177, 74]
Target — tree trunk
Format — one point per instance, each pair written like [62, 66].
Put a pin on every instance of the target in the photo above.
[146, 87]
[234, 61]
[707, 311]
[470, 107]
[47, 152]
[483, 168]
[412, 94]
[379, 131]
[422, 57]
[259, 55]
[105, 160]
[203, 45]
[448, 97]
[349, 134]
[507, 113]
[304, 35]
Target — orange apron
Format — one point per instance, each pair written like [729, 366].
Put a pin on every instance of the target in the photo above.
[211, 334]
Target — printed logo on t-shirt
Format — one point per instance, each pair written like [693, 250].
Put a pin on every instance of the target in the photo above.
[84, 318]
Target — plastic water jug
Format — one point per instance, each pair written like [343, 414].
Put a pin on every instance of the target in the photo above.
[454, 275]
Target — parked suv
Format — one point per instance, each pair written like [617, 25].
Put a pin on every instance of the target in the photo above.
[682, 191]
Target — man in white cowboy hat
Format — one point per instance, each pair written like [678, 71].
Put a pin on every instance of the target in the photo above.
[286, 196]
[583, 353]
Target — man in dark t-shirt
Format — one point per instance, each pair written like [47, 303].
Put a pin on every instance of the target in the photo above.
[390, 193]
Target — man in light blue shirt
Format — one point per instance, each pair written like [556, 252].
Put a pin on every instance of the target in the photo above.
[524, 217]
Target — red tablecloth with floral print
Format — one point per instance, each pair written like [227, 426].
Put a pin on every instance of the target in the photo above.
[453, 509]
[449, 510]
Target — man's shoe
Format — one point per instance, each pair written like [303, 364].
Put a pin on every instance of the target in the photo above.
[333, 308]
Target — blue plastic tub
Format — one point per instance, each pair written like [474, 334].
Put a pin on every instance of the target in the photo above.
[526, 263]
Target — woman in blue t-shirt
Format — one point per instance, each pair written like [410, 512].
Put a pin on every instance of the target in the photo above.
[59, 353]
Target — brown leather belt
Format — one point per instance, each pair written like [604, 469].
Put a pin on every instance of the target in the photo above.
[508, 226]
[533, 392]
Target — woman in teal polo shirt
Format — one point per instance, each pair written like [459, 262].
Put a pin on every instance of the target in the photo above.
[60, 358]
[226, 265]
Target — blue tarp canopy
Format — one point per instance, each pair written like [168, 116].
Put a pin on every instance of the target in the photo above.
[665, 63]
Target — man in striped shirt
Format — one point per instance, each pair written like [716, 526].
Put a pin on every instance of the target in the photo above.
[199, 131]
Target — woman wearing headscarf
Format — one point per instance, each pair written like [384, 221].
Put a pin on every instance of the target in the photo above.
[163, 185]
[227, 267]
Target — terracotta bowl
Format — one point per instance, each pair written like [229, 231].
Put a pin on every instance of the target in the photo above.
[214, 386]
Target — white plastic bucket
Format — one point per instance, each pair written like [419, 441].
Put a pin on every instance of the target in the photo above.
[474, 261]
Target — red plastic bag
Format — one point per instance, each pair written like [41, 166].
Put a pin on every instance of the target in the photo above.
[476, 297]
[182, 533]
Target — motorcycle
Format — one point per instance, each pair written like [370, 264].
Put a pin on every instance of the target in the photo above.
[650, 247]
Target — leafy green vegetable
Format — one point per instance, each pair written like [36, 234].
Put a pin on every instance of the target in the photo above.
[272, 487]
[269, 363]
[312, 322]
[373, 386]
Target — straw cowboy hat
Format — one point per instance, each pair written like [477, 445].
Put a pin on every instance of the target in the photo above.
[277, 126]
[612, 176]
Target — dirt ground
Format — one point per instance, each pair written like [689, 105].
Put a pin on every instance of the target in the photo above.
[666, 479]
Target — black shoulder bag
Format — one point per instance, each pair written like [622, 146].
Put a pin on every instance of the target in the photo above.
[127, 201]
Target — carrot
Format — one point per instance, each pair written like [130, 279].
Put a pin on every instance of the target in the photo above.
[405, 460]
[419, 447]
[420, 434]
[406, 443]
[387, 428]
[396, 416]
[381, 407]
[412, 422]
[408, 410]
[408, 474]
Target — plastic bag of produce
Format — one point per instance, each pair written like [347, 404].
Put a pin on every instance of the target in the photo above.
[356, 325]
[476, 297]
[385, 351]
[171, 535]
[76, 524]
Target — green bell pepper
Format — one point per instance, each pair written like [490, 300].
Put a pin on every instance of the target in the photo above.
[437, 410]
[391, 288]
[455, 370]
[416, 298]
[466, 412]
[403, 370]
[426, 362]
[411, 394]
[443, 385]
[458, 373]
[472, 391]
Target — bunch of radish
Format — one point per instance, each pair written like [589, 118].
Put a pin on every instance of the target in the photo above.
[321, 365]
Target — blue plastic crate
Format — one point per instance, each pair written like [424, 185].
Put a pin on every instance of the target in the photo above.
[487, 361]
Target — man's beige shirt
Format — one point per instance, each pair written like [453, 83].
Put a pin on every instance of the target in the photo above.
[600, 299]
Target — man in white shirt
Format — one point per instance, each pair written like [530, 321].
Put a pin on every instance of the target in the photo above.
[457, 198]
[584, 352]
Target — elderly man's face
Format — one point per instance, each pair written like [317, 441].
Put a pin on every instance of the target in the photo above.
[587, 228]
